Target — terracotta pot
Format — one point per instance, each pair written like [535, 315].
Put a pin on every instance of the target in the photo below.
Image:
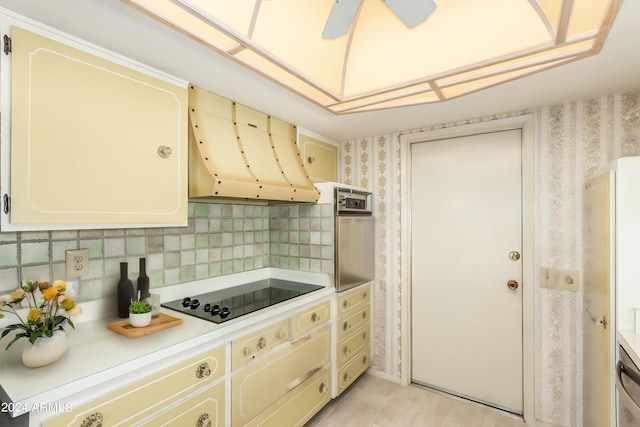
[45, 350]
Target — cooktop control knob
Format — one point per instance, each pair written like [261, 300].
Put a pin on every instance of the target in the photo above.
[215, 309]
[224, 312]
[207, 307]
[194, 304]
[186, 301]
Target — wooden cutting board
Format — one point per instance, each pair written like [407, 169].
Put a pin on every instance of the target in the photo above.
[163, 321]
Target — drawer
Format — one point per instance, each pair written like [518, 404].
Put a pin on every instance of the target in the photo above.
[353, 299]
[204, 409]
[129, 404]
[308, 318]
[250, 346]
[261, 384]
[353, 344]
[352, 370]
[299, 406]
[348, 324]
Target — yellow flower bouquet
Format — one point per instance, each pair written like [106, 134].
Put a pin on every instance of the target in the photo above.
[49, 309]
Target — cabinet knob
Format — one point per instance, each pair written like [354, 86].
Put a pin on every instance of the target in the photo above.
[346, 304]
[346, 350]
[310, 159]
[164, 151]
[203, 370]
[314, 317]
[262, 343]
[345, 326]
[280, 334]
[364, 360]
[364, 314]
[93, 420]
[346, 377]
[204, 421]
[246, 351]
[323, 388]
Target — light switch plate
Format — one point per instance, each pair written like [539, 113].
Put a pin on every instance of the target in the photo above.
[563, 280]
[77, 261]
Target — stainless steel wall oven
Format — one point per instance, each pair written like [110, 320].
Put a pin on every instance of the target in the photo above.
[354, 238]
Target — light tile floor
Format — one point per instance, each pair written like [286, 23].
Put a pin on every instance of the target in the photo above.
[375, 402]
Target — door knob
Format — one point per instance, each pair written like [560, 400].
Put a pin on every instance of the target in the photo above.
[512, 284]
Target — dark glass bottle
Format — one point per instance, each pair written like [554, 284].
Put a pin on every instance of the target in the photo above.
[125, 291]
[143, 281]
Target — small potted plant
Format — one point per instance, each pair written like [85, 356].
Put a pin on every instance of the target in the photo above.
[139, 314]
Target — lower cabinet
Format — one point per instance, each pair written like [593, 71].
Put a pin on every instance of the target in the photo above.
[205, 409]
[299, 406]
[353, 335]
[151, 395]
[290, 383]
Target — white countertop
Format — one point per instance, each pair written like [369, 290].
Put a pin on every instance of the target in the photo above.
[99, 356]
[631, 343]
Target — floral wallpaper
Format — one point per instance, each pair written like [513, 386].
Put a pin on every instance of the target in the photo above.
[573, 142]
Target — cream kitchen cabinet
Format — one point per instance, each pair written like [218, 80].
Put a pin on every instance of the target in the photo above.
[353, 335]
[90, 138]
[320, 156]
[155, 394]
[290, 383]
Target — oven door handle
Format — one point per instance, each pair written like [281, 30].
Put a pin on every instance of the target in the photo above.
[625, 399]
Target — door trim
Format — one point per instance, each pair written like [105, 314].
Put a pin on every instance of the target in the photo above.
[529, 303]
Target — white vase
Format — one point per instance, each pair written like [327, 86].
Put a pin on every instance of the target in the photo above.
[139, 320]
[45, 350]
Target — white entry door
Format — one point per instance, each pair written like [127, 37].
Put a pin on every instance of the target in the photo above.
[466, 233]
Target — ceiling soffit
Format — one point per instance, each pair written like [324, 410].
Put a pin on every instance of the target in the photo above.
[463, 47]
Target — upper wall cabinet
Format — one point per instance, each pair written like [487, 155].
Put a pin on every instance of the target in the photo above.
[90, 139]
[320, 156]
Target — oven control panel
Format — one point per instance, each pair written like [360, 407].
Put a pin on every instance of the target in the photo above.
[352, 202]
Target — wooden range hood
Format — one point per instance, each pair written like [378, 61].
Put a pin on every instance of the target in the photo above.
[239, 153]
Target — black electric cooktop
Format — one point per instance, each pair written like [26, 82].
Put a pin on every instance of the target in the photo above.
[226, 304]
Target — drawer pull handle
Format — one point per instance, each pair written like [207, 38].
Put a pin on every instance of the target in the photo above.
[246, 351]
[345, 326]
[346, 350]
[346, 304]
[203, 370]
[93, 420]
[346, 377]
[262, 343]
[301, 339]
[314, 317]
[323, 388]
[203, 421]
[364, 360]
[364, 314]
[295, 383]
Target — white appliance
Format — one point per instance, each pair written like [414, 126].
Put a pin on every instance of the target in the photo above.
[611, 282]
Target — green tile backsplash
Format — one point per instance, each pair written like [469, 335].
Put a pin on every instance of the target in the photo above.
[219, 239]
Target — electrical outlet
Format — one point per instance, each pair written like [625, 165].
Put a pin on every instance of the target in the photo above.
[77, 263]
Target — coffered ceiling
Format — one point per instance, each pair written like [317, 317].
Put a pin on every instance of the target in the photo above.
[118, 26]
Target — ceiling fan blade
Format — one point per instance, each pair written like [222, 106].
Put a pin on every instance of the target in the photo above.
[340, 18]
[411, 12]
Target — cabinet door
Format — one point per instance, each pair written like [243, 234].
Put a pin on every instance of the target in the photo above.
[93, 141]
[130, 404]
[352, 370]
[320, 158]
[309, 318]
[298, 407]
[262, 384]
[204, 409]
